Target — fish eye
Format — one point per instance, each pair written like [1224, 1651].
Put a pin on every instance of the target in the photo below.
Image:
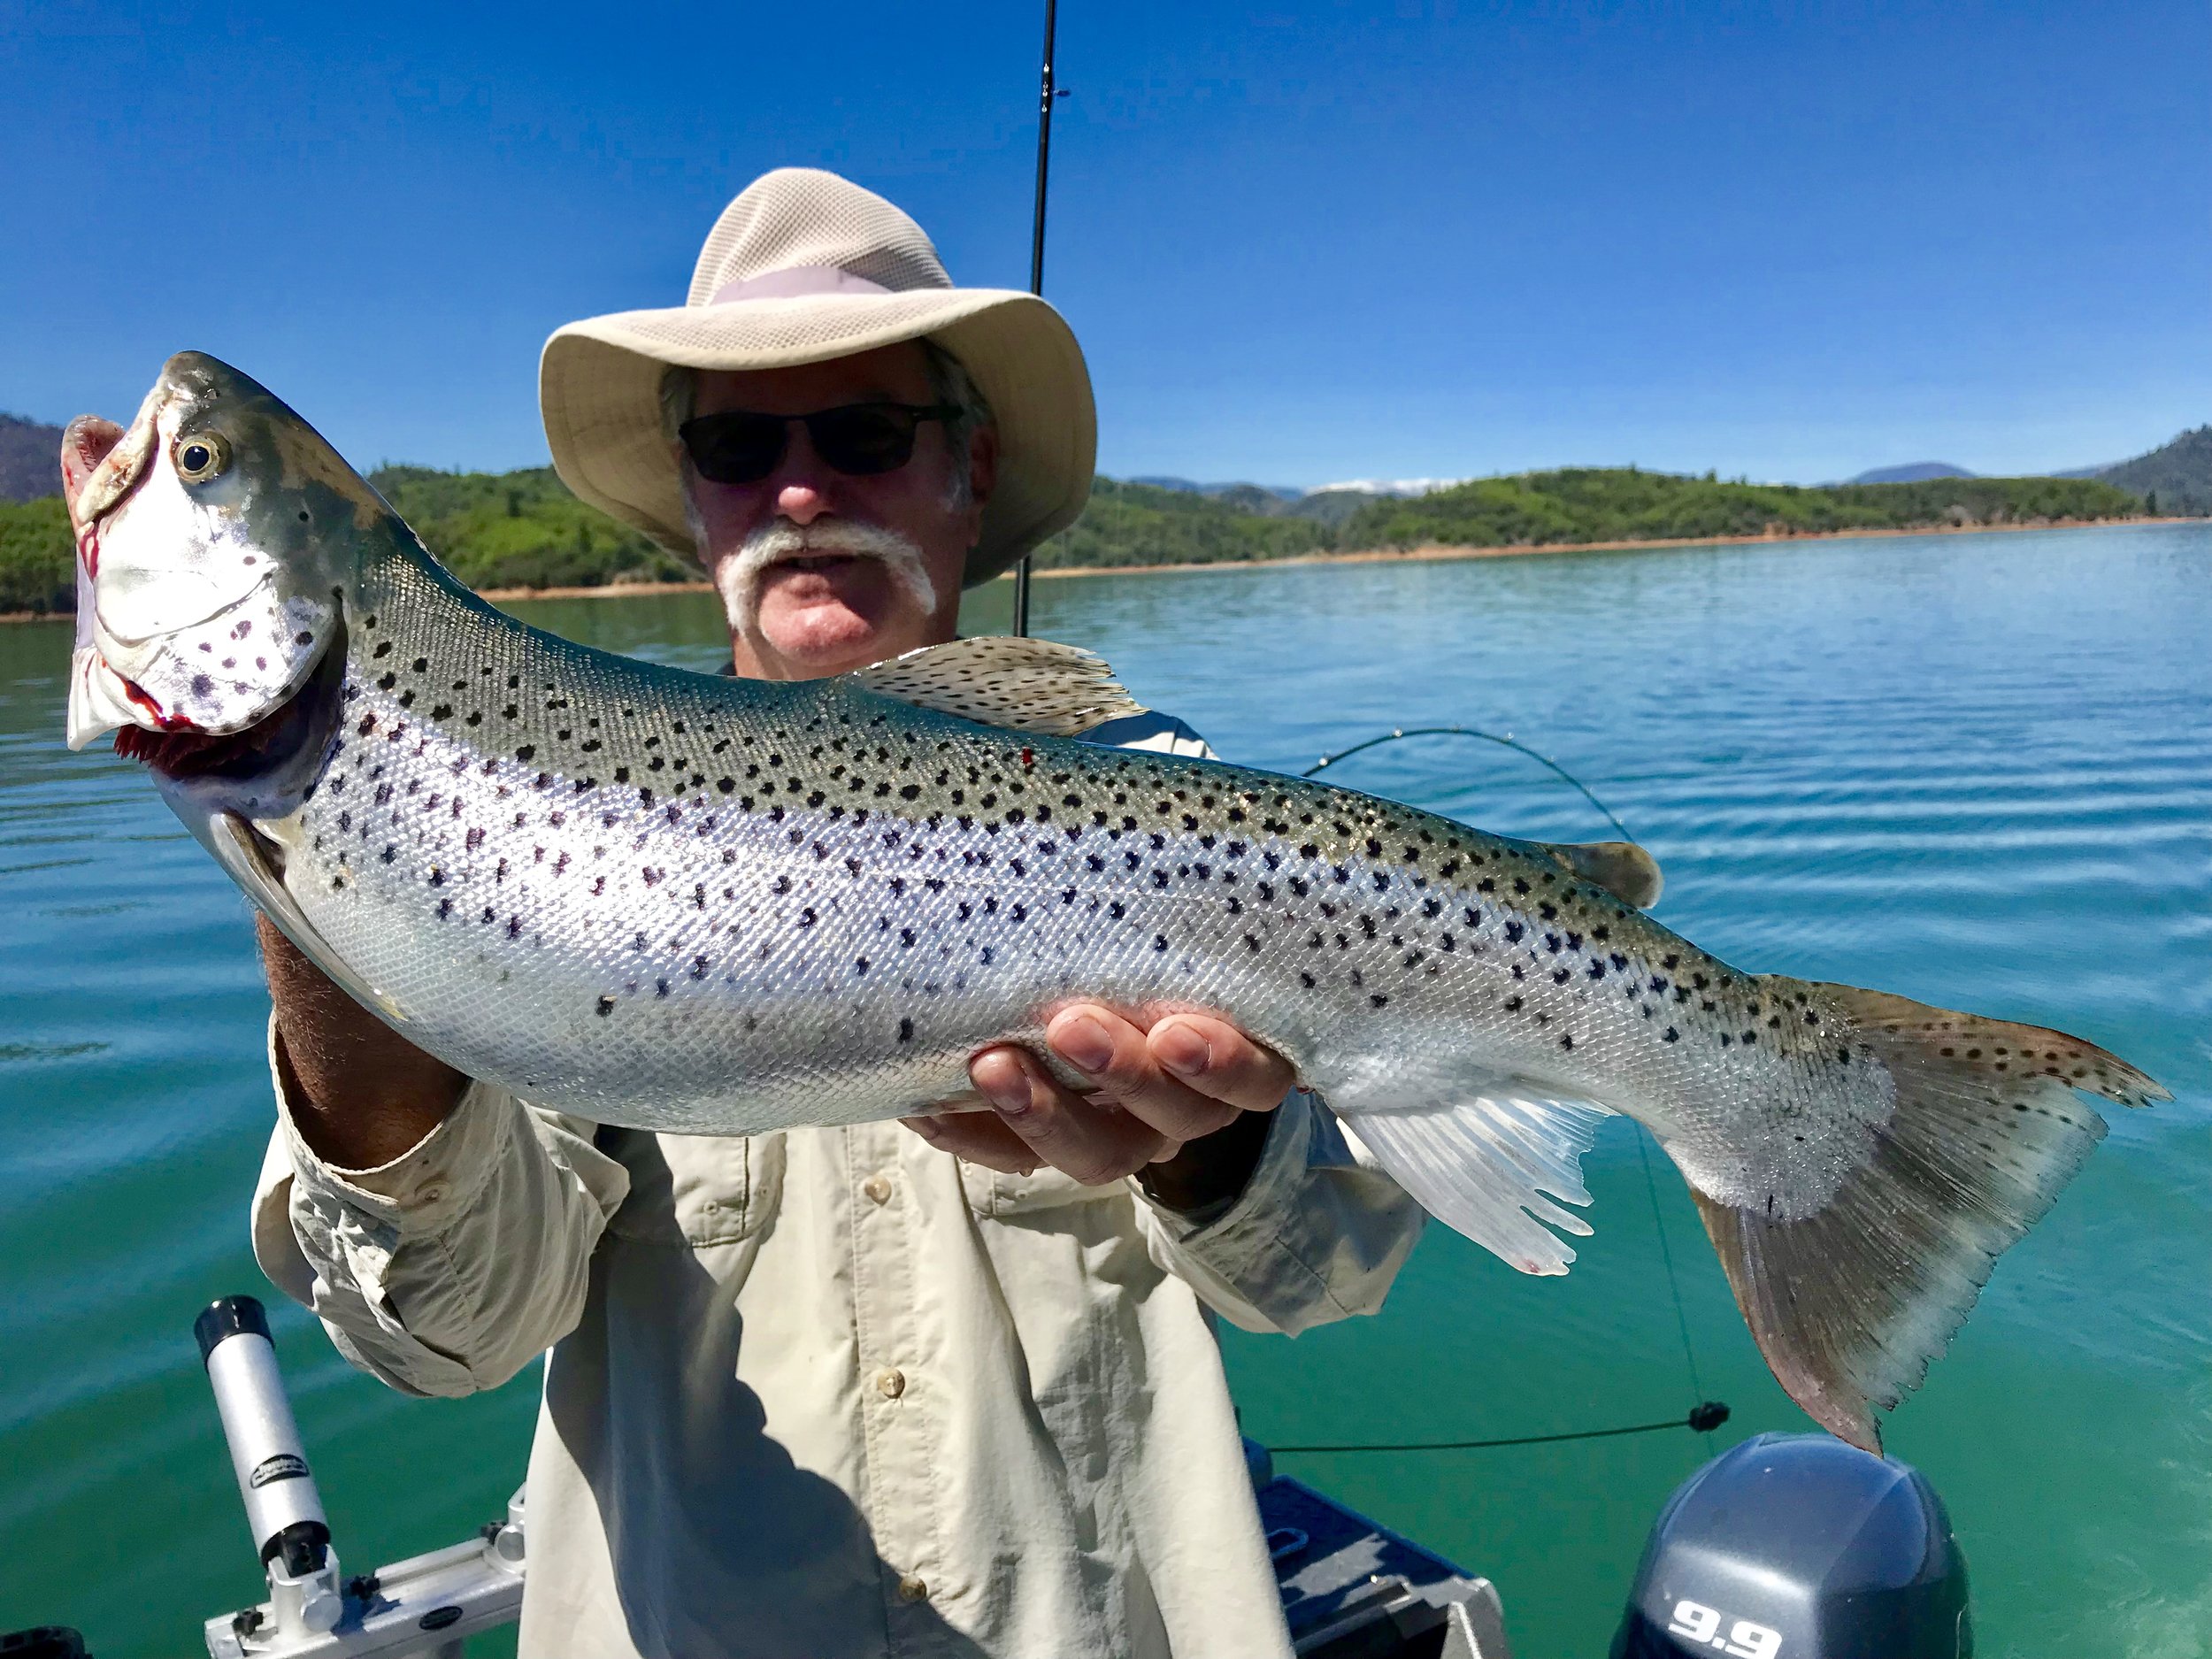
[201, 455]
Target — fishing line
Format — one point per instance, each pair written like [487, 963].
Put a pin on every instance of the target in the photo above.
[1506, 739]
[1666, 1255]
[1704, 1417]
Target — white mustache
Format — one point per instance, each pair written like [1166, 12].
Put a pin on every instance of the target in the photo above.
[737, 578]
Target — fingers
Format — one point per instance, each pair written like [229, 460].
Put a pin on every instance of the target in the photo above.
[979, 1137]
[1116, 1058]
[1190, 1076]
[1213, 1058]
[1094, 1144]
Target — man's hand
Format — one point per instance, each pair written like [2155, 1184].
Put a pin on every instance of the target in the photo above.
[1171, 1100]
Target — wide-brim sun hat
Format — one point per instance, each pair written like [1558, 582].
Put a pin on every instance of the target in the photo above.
[804, 266]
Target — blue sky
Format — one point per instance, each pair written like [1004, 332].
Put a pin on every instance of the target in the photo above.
[1302, 241]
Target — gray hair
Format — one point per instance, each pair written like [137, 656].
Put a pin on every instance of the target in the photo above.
[949, 385]
[678, 397]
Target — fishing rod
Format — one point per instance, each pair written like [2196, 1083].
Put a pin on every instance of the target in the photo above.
[1046, 93]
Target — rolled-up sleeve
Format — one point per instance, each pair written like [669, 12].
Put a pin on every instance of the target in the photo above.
[447, 1269]
[1313, 1236]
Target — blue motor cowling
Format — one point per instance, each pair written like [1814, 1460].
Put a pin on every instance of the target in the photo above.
[1800, 1547]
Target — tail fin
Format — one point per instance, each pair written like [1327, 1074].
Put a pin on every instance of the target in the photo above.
[1850, 1304]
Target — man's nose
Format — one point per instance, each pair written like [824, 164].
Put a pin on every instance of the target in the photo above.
[802, 482]
[801, 501]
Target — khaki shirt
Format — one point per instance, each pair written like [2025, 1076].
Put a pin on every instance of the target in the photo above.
[832, 1393]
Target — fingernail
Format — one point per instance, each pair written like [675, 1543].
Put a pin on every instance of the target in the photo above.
[1010, 1093]
[1083, 1043]
[1182, 1050]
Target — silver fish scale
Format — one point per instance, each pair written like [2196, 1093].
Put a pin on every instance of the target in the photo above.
[644, 896]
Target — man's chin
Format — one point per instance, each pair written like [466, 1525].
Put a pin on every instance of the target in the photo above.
[823, 632]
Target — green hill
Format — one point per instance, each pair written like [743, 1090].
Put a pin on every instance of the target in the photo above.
[2176, 478]
[1625, 505]
[525, 530]
[37, 559]
[1142, 524]
[522, 530]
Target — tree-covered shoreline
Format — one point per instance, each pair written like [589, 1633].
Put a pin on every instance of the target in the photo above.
[524, 530]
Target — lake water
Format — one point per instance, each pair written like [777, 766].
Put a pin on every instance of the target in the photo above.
[1976, 770]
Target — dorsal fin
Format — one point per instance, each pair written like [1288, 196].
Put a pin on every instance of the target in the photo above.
[1622, 868]
[1037, 686]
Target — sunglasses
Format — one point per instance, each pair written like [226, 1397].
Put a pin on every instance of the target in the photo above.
[740, 447]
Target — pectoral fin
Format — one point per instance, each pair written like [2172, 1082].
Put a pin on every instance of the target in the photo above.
[1622, 868]
[1037, 686]
[250, 861]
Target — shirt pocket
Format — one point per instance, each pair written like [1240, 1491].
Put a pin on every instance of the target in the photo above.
[695, 1190]
[995, 1196]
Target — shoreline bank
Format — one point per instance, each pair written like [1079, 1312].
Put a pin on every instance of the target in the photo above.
[1434, 554]
[1428, 554]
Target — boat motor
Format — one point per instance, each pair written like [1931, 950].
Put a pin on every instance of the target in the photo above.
[1800, 1547]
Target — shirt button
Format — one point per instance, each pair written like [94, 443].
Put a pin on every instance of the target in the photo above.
[431, 1191]
[913, 1588]
[879, 1189]
[891, 1382]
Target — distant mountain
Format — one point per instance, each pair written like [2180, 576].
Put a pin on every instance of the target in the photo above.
[30, 459]
[1282, 492]
[1912, 473]
[2174, 479]
[1398, 487]
[1328, 507]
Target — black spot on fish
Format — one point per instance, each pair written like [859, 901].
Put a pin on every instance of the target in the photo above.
[606, 1006]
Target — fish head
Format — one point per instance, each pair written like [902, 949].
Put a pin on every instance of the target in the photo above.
[216, 541]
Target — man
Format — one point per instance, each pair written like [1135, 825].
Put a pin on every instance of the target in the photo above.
[849, 1391]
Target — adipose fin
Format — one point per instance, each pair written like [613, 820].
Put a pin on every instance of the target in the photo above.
[1622, 868]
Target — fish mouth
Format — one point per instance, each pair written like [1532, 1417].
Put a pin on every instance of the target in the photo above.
[302, 726]
[106, 464]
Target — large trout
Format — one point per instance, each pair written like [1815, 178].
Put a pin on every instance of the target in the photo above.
[675, 902]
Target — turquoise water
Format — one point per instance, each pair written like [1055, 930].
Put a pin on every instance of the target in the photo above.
[1971, 769]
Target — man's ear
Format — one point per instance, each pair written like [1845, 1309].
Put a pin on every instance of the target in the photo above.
[982, 464]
